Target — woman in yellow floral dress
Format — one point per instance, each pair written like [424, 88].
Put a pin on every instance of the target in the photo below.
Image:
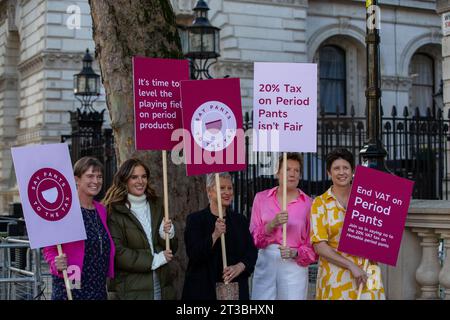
[339, 274]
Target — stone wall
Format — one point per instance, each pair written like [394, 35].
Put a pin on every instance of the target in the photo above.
[258, 31]
[294, 30]
[39, 54]
[9, 57]
[443, 6]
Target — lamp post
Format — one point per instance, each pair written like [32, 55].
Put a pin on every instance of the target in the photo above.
[86, 84]
[373, 153]
[202, 42]
[87, 90]
[86, 123]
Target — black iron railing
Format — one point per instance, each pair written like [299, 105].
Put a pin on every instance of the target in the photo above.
[99, 144]
[417, 148]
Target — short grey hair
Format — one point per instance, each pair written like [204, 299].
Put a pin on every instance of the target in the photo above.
[211, 178]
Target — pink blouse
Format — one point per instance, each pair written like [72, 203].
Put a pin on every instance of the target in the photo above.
[266, 206]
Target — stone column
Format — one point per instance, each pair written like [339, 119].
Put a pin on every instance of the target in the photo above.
[442, 7]
[9, 97]
[400, 281]
[427, 275]
[444, 275]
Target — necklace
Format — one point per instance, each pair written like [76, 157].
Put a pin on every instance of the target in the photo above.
[341, 201]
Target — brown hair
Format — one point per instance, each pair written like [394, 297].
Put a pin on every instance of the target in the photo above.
[340, 153]
[83, 165]
[117, 193]
[291, 156]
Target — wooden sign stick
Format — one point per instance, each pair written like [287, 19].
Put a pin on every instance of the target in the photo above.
[166, 197]
[366, 264]
[66, 277]
[284, 196]
[219, 204]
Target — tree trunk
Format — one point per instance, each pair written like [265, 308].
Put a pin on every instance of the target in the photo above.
[123, 29]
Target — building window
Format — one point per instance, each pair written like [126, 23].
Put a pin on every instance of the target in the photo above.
[421, 70]
[332, 79]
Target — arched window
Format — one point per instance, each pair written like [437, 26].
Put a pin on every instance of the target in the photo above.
[332, 79]
[421, 69]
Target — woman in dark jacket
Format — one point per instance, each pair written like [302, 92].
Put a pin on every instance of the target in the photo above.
[203, 248]
[135, 218]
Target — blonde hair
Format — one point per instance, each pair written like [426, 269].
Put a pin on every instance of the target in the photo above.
[211, 178]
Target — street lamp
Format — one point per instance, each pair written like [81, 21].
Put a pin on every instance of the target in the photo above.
[86, 84]
[202, 42]
[373, 153]
[86, 123]
[87, 137]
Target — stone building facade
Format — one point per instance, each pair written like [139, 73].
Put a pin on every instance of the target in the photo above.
[302, 31]
[42, 44]
[443, 8]
[41, 49]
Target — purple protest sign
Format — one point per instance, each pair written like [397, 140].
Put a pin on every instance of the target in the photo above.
[212, 121]
[48, 194]
[157, 105]
[285, 107]
[376, 215]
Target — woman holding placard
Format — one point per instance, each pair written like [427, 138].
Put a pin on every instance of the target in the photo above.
[90, 261]
[281, 272]
[339, 274]
[202, 237]
[138, 230]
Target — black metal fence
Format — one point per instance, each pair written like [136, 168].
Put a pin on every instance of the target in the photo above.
[417, 148]
[99, 144]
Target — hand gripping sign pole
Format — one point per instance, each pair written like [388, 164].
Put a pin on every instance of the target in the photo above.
[66, 277]
[361, 286]
[166, 198]
[284, 196]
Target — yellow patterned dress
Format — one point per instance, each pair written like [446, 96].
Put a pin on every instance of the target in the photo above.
[333, 282]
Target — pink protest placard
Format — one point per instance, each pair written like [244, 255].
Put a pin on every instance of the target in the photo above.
[48, 194]
[212, 121]
[157, 105]
[376, 215]
[285, 107]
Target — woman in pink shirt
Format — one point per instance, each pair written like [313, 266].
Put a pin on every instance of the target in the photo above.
[281, 273]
